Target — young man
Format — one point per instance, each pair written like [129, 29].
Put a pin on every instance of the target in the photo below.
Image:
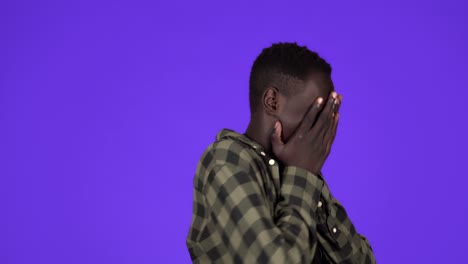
[260, 196]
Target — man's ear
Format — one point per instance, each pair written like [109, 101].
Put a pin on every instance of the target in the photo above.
[271, 98]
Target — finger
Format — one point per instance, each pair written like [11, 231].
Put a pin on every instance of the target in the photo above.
[332, 133]
[276, 141]
[332, 120]
[339, 100]
[323, 121]
[326, 132]
[309, 119]
[329, 135]
[335, 125]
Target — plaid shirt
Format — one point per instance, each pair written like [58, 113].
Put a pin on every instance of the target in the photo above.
[247, 208]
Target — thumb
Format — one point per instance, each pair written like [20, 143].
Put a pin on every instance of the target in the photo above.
[276, 141]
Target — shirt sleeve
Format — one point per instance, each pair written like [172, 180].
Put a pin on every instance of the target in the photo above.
[242, 227]
[337, 234]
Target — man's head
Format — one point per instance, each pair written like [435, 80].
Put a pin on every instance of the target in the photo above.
[285, 80]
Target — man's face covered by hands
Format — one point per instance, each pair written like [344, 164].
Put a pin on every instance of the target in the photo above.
[295, 105]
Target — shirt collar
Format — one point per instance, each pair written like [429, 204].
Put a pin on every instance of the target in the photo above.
[228, 133]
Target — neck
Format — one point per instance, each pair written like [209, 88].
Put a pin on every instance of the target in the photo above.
[259, 130]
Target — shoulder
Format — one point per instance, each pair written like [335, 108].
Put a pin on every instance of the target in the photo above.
[229, 152]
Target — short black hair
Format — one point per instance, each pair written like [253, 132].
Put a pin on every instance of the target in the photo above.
[281, 66]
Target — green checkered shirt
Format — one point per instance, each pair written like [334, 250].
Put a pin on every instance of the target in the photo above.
[247, 208]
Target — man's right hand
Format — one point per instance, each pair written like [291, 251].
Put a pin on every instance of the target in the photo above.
[310, 145]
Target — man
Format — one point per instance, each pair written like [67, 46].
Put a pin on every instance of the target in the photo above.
[260, 197]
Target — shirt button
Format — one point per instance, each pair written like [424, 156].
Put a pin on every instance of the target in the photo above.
[334, 230]
[271, 162]
[263, 153]
[319, 204]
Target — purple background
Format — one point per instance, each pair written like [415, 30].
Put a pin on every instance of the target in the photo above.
[107, 106]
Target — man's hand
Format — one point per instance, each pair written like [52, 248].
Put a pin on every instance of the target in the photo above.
[311, 143]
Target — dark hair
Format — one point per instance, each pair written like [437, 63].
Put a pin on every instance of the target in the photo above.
[282, 65]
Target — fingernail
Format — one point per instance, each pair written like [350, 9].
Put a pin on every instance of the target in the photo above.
[334, 95]
[319, 101]
[276, 124]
